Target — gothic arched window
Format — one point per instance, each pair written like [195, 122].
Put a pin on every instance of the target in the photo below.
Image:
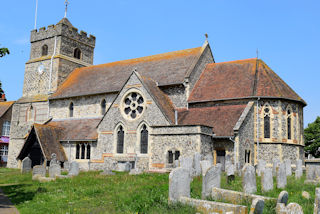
[88, 151]
[44, 51]
[77, 53]
[71, 109]
[83, 151]
[103, 106]
[144, 140]
[289, 124]
[266, 122]
[120, 139]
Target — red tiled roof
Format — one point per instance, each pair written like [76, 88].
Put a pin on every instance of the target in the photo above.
[166, 69]
[239, 79]
[4, 107]
[221, 118]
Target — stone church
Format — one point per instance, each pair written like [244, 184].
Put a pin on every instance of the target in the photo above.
[150, 110]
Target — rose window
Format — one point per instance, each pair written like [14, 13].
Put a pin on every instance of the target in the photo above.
[133, 105]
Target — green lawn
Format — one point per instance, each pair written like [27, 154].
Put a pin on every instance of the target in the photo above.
[121, 193]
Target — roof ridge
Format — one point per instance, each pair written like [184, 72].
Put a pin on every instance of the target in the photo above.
[233, 61]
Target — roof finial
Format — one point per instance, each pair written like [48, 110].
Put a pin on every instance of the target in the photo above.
[206, 35]
[66, 2]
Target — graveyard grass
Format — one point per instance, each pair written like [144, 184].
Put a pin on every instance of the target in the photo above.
[122, 193]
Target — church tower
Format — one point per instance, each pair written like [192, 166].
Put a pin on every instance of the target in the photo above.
[55, 52]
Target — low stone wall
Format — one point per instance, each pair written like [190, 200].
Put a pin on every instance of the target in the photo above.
[234, 196]
[213, 207]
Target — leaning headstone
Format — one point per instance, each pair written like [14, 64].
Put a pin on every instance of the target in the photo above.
[275, 164]
[123, 167]
[39, 170]
[26, 165]
[66, 165]
[205, 165]
[196, 164]
[316, 209]
[249, 179]
[283, 197]
[266, 180]
[54, 170]
[230, 172]
[288, 167]
[179, 184]
[257, 205]
[261, 166]
[281, 176]
[210, 180]
[294, 208]
[187, 163]
[74, 169]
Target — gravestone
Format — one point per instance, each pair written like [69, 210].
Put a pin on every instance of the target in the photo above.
[74, 169]
[281, 176]
[276, 163]
[54, 159]
[311, 173]
[316, 209]
[54, 170]
[283, 197]
[209, 158]
[39, 170]
[266, 180]
[261, 166]
[123, 167]
[187, 163]
[66, 165]
[210, 180]
[196, 164]
[249, 179]
[294, 208]
[179, 184]
[288, 167]
[26, 165]
[257, 205]
[230, 172]
[205, 165]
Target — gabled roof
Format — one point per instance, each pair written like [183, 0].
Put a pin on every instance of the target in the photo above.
[65, 21]
[166, 69]
[240, 79]
[4, 107]
[221, 118]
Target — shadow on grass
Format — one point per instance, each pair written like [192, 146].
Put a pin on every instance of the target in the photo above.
[18, 193]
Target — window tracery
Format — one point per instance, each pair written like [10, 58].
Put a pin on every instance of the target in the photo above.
[133, 105]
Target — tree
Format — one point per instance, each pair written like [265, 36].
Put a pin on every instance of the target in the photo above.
[4, 51]
[312, 138]
[1, 91]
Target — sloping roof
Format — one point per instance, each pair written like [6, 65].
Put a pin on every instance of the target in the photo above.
[239, 79]
[221, 118]
[77, 129]
[4, 107]
[34, 98]
[65, 21]
[166, 69]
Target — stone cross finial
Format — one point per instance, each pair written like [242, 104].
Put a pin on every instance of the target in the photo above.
[206, 35]
[66, 2]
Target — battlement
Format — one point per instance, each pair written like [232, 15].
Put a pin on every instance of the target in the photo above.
[63, 28]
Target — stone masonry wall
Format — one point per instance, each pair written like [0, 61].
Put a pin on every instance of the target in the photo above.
[177, 95]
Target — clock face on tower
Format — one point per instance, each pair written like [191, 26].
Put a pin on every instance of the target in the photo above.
[40, 69]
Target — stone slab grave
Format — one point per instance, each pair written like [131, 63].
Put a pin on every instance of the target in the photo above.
[281, 176]
[249, 183]
[210, 180]
[275, 164]
[74, 169]
[205, 165]
[54, 170]
[39, 170]
[179, 184]
[316, 209]
[288, 167]
[298, 172]
[266, 180]
[187, 163]
[26, 165]
[196, 164]
[261, 166]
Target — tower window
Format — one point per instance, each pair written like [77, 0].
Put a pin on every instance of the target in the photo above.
[120, 140]
[71, 109]
[144, 140]
[289, 124]
[103, 106]
[77, 53]
[266, 123]
[44, 51]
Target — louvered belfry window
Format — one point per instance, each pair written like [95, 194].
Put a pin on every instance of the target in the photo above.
[144, 140]
[120, 140]
[266, 123]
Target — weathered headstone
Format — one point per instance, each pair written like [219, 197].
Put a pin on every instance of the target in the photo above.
[230, 172]
[266, 180]
[257, 205]
[261, 166]
[66, 165]
[26, 165]
[210, 180]
[196, 164]
[249, 183]
[205, 165]
[281, 176]
[54, 159]
[187, 163]
[123, 167]
[54, 170]
[74, 168]
[276, 163]
[39, 170]
[179, 184]
[294, 208]
[311, 172]
[288, 167]
[316, 209]
[299, 164]
[283, 197]
[209, 157]
[281, 208]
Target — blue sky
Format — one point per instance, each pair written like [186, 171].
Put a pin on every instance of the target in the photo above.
[287, 34]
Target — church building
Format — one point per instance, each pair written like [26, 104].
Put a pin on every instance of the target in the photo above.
[150, 110]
